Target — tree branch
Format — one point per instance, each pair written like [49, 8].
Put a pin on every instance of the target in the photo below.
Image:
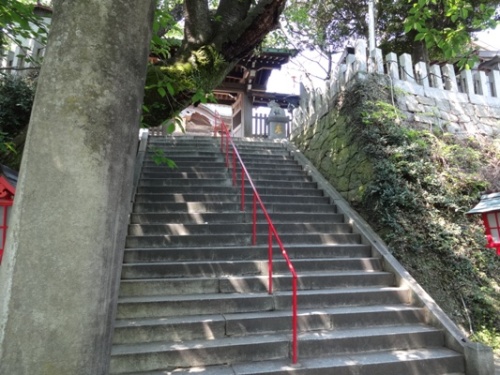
[11, 68]
[198, 24]
[229, 13]
[250, 32]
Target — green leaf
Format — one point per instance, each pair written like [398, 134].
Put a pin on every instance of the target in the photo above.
[171, 164]
[171, 127]
[420, 36]
[170, 89]
[162, 92]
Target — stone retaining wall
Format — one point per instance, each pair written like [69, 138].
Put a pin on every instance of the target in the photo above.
[435, 99]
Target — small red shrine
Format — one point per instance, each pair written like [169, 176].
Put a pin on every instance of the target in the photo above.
[8, 182]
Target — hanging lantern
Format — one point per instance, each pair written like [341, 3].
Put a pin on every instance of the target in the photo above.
[8, 181]
[489, 208]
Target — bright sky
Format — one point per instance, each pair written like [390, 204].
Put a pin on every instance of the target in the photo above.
[491, 37]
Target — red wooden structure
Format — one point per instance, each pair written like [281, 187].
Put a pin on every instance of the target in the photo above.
[489, 208]
[8, 182]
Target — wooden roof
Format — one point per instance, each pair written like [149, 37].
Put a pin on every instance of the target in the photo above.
[250, 76]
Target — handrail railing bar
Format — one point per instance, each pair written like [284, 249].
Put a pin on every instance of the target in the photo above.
[272, 231]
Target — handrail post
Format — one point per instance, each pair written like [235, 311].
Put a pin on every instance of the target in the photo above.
[242, 190]
[254, 220]
[227, 153]
[234, 168]
[270, 257]
[294, 320]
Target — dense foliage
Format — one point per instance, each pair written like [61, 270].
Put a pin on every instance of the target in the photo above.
[423, 185]
[193, 59]
[16, 100]
[18, 22]
[427, 29]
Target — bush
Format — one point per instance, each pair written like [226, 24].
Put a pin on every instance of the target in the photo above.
[16, 100]
[423, 185]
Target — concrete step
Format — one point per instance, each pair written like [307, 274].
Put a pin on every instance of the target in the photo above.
[269, 166]
[211, 150]
[226, 182]
[153, 356]
[235, 253]
[435, 361]
[421, 361]
[239, 239]
[186, 164]
[184, 181]
[179, 329]
[348, 267]
[268, 163]
[221, 162]
[189, 207]
[234, 228]
[188, 160]
[220, 303]
[186, 155]
[226, 198]
[184, 139]
[225, 189]
[258, 176]
[200, 207]
[177, 173]
[283, 184]
[213, 283]
[167, 146]
[233, 217]
[258, 156]
[208, 168]
[194, 293]
[288, 171]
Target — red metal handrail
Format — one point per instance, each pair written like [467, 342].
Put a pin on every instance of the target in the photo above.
[226, 144]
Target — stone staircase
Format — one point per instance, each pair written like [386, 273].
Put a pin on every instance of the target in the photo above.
[193, 296]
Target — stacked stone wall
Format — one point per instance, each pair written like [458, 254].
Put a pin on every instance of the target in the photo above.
[435, 98]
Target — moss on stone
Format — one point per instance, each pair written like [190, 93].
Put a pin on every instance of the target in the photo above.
[414, 188]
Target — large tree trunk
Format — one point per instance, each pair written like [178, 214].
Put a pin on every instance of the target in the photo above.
[59, 276]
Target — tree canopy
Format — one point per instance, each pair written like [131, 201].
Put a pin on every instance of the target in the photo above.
[196, 42]
[215, 36]
[427, 29]
[18, 22]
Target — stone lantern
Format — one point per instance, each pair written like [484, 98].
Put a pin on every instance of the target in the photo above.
[8, 182]
[277, 121]
[489, 208]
